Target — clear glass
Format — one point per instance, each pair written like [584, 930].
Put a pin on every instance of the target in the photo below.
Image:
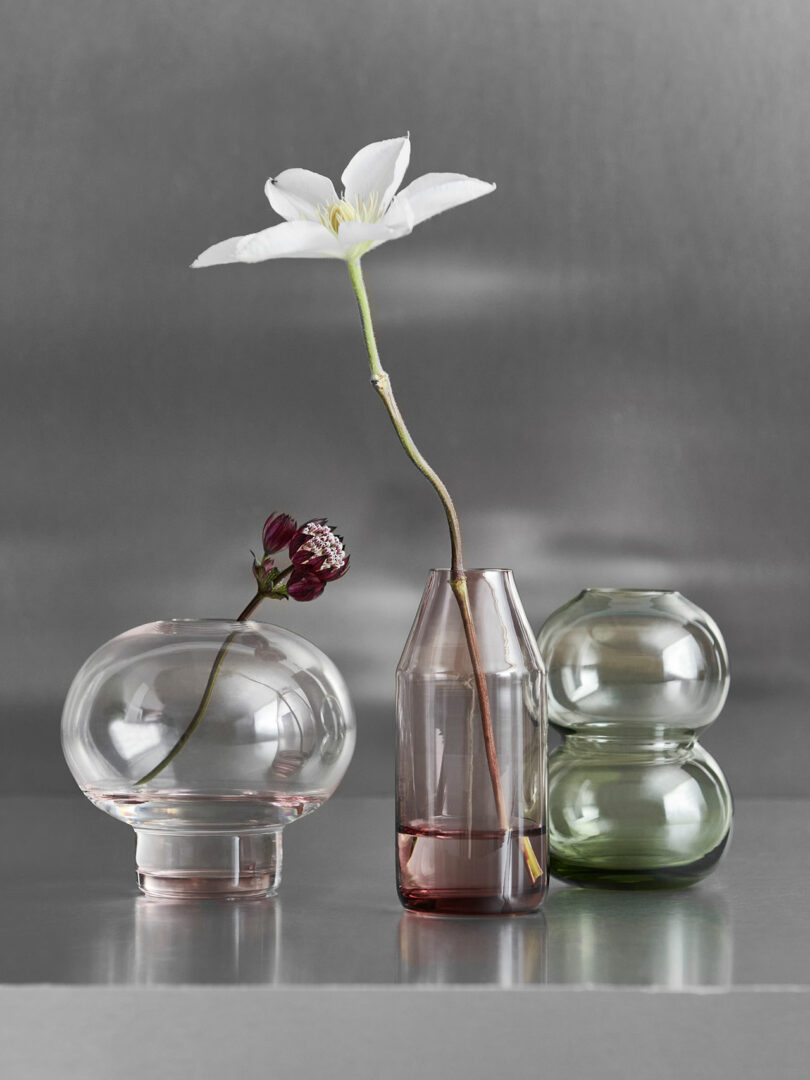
[453, 855]
[634, 801]
[272, 745]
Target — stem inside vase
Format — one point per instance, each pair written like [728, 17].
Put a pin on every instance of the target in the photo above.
[458, 582]
[194, 722]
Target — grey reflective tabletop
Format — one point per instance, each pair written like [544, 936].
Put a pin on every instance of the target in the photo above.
[70, 914]
[333, 979]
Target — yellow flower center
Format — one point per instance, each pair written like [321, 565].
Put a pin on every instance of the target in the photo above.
[336, 213]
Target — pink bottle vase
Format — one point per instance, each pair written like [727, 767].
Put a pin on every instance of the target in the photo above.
[464, 848]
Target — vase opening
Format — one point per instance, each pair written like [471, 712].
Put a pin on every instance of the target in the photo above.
[475, 570]
[620, 591]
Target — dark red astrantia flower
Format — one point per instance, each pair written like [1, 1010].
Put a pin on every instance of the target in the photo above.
[305, 586]
[316, 552]
[279, 529]
[317, 549]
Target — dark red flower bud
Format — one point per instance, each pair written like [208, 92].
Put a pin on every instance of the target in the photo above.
[264, 572]
[304, 586]
[278, 530]
[317, 549]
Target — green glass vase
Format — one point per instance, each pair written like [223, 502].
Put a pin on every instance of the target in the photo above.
[634, 676]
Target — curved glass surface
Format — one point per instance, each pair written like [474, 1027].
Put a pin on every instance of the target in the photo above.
[634, 801]
[208, 737]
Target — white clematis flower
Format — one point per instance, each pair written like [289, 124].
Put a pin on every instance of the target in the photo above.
[320, 224]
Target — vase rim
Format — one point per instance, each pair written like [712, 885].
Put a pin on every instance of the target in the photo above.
[613, 589]
[190, 620]
[474, 570]
[209, 623]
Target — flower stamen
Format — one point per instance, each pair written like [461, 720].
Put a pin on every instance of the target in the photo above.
[323, 543]
[366, 210]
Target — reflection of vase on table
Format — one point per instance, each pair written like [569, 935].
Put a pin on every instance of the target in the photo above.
[452, 952]
[678, 940]
[242, 943]
[634, 677]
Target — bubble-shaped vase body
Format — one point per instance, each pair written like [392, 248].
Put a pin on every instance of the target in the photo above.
[208, 737]
[634, 675]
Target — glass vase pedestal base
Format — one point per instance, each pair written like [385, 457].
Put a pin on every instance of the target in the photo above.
[208, 866]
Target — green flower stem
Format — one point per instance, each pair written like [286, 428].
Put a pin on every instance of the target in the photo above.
[382, 384]
[458, 579]
[207, 693]
[277, 581]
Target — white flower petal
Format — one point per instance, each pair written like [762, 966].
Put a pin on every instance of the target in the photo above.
[290, 240]
[298, 194]
[366, 233]
[223, 252]
[378, 167]
[432, 194]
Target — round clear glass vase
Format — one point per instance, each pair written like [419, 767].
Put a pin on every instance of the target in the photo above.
[208, 737]
[454, 856]
[635, 675]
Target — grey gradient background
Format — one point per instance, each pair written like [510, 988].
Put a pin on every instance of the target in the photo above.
[606, 360]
